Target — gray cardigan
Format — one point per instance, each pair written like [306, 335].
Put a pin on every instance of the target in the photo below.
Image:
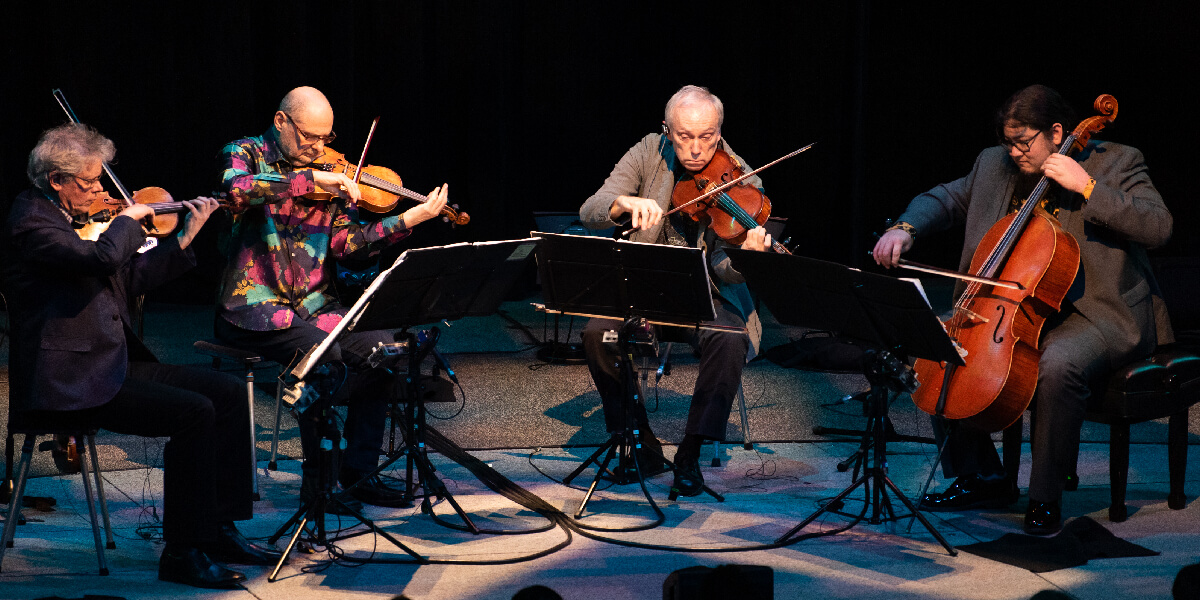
[649, 170]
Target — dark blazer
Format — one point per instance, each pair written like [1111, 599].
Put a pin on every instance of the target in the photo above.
[1114, 288]
[68, 303]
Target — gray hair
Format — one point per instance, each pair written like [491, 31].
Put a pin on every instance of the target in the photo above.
[689, 95]
[67, 149]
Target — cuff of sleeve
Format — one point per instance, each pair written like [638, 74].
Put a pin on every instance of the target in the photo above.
[1087, 191]
[906, 227]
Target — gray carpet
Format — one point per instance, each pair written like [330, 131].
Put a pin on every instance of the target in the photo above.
[515, 400]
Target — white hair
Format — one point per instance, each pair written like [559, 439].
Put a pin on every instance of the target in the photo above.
[68, 149]
[690, 95]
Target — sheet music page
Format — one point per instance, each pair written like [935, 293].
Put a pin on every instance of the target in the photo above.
[920, 288]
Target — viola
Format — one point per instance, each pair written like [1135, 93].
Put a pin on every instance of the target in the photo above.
[998, 327]
[719, 192]
[381, 187]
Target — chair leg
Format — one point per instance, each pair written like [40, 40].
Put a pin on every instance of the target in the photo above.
[87, 472]
[18, 496]
[741, 396]
[1011, 446]
[253, 430]
[7, 492]
[1177, 458]
[91, 450]
[1118, 469]
[272, 464]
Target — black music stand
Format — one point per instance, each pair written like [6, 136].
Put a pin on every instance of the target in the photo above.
[887, 312]
[554, 351]
[423, 286]
[639, 284]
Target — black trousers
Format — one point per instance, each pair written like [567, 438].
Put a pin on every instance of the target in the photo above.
[365, 391]
[206, 462]
[722, 356]
[1074, 360]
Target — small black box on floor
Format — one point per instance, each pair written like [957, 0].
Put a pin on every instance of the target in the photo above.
[744, 582]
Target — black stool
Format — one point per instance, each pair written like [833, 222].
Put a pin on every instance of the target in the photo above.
[85, 435]
[249, 361]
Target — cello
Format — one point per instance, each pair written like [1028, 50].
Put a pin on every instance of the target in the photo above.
[998, 327]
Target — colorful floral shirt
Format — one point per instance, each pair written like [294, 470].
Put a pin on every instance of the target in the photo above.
[280, 244]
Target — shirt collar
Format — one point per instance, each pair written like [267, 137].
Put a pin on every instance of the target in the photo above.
[271, 149]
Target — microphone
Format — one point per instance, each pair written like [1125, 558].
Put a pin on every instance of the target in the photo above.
[429, 339]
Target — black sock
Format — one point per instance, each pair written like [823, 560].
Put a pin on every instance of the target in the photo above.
[689, 448]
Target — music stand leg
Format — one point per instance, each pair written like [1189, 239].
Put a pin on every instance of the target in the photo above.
[875, 478]
[314, 510]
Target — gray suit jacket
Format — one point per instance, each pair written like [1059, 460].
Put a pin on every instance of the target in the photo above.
[1114, 288]
[649, 170]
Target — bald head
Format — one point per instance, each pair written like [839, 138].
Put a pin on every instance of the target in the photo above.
[306, 103]
[304, 123]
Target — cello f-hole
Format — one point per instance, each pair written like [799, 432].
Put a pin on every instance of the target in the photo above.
[996, 337]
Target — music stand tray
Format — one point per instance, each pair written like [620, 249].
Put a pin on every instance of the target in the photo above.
[638, 283]
[424, 285]
[886, 311]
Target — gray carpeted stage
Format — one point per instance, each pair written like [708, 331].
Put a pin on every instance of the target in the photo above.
[531, 421]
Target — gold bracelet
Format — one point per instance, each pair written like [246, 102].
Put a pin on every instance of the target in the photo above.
[906, 227]
[1087, 191]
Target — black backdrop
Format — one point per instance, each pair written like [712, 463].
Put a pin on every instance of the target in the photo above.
[525, 106]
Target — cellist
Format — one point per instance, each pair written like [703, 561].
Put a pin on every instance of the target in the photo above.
[637, 193]
[1113, 312]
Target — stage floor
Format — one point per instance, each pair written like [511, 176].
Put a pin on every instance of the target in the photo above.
[767, 492]
[533, 423]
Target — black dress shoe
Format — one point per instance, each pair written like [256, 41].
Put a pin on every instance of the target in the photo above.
[345, 502]
[373, 490]
[688, 479]
[231, 547]
[973, 492]
[191, 566]
[1043, 518]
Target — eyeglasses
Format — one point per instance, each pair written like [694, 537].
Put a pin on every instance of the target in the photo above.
[304, 136]
[1023, 146]
[87, 183]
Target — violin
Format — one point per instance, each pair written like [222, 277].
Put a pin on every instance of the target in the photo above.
[164, 222]
[381, 187]
[998, 327]
[732, 206]
[105, 207]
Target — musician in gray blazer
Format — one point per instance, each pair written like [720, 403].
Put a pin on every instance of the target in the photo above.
[1113, 312]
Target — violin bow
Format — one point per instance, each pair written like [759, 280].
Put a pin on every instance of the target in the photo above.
[362, 160]
[66, 106]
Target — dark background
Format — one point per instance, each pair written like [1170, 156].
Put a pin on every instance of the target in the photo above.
[526, 106]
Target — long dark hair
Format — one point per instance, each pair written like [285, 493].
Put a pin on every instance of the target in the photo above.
[1038, 107]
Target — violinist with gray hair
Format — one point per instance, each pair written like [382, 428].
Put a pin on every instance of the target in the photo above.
[75, 355]
[638, 192]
